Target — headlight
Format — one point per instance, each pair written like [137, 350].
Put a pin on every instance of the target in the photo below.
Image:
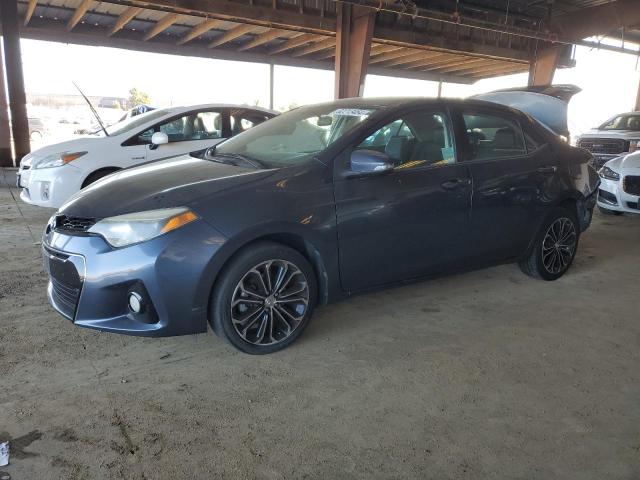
[634, 145]
[131, 228]
[606, 172]
[58, 159]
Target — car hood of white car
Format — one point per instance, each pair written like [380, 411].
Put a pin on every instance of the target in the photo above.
[83, 144]
[621, 134]
[625, 162]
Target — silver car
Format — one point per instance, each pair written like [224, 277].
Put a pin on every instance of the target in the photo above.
[615, 137]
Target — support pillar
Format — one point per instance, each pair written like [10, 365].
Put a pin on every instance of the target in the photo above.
[353, 45]
[637, 108]
[6, 156]
[15, 79]
[543, 67]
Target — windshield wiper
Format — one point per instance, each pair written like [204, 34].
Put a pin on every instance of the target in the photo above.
[244, 158]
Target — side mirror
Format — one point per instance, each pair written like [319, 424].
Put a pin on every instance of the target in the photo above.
[369, 162]
[209, 153]
[157, 139]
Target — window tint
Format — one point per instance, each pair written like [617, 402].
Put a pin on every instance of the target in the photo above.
[490, 136]
[194, 126]
[242, 120]
[415, 140]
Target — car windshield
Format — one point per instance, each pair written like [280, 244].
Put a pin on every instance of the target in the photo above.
[296, 136]
[132, 123]
[622, 122]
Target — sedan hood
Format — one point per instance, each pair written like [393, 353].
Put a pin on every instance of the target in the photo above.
[164, 184]
[625, 162]
[75, 145]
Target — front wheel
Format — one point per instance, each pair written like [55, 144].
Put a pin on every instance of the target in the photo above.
[555, 246]
[264, 298]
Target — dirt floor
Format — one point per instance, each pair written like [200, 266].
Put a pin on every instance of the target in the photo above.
[484, 375]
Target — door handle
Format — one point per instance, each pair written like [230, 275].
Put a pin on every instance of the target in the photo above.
[456, 183]
[548, 169]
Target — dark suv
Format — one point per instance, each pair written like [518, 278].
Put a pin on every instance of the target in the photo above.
[312, 206]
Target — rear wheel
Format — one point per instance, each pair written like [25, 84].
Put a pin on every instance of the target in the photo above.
[264, 298]
[555, 246]
[606, 211]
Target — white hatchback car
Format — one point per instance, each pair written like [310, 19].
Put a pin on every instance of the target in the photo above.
[620, 188]
[50, 175]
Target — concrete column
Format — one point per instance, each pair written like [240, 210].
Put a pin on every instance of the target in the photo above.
[6, 156]
[353, 45]
[15, 79]
[543, 67]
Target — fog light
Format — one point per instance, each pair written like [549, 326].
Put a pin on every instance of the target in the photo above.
[135, 302]
[44, 190]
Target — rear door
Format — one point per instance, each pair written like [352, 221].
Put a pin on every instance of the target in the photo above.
[411, 221]
[512, 171]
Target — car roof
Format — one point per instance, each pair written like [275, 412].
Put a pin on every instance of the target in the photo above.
[204, 106]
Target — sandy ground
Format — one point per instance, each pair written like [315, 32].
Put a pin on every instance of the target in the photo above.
[486, 375]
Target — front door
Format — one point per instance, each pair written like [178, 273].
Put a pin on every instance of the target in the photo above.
[411, 221]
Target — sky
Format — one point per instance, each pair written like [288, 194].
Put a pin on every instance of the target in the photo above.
[609, 80]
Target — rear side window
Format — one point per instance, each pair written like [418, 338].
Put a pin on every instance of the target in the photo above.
[493, 136]
[244, 119]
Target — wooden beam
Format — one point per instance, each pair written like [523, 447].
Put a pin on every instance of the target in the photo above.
[232, 34]
[30, 9]
[598, 20]
[464, 65]
[379, 48]
[124, 18]
[262, 39]
[353, 45]
[316, 47]
[423, 55]
[543, 67]
[401, 52]
[200, 29]
[161, 25]
[440, 58]
[78, 14]
[494, 70]
[294, 42]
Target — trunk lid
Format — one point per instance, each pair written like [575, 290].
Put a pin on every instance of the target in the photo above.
[548, 104]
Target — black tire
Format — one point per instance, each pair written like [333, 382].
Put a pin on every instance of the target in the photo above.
[244, 279]
[97, 175]
[606, 211]
[539, 262]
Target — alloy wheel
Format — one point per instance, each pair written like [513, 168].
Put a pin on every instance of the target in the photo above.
[269, 302]
[559, 245]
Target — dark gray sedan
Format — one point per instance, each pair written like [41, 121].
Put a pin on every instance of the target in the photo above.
[312, 206]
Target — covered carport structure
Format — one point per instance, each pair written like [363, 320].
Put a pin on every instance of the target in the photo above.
[440, 40]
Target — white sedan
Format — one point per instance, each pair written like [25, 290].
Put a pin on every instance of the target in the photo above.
[50, 175]
[620, 188]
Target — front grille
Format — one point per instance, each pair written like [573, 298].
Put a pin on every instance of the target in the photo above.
[607, 197]
[609, 146]
[73, 224]
[66, 283]
[631, 184]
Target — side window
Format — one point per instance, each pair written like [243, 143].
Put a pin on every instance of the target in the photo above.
[194, 126]
[492, 136]
[417, 139]
[242, 120]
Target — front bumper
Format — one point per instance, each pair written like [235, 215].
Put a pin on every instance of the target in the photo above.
[89, 281]
[613, 197]
[49, 187]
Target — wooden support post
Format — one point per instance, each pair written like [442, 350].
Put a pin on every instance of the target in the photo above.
[543, 67]
[353, 46]
[6, 157]
[15, 79]
[637, 107]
